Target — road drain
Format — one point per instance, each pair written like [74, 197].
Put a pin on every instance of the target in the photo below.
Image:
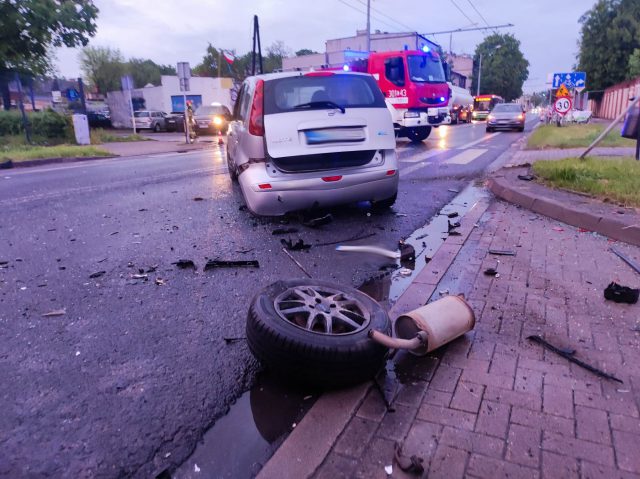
[242, 441]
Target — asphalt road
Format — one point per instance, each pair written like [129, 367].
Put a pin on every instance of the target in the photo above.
[130, 368]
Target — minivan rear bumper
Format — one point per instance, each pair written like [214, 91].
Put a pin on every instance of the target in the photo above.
[293, 194]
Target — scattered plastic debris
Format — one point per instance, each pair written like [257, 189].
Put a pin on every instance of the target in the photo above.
[526, 177]
[557, 228]
[198, 198]
[401, 215]
[97, 274]
[502, 252]
[160, 282]
[114, 233]
[388, 469]
[369, 249]
[218, 263]
[571, 358]
[621, 294]
[196, 468]
[143, 209]
[140, 276]
[185, 264]
[453, 215]
[321, 221]
[491, 272]
[404, 272]
[300, 245]
[233, 340]
[407, 252]
[242, 208]
[54, 313]
[284, 231]
[455, 233]
[412, 464]
[451, 190]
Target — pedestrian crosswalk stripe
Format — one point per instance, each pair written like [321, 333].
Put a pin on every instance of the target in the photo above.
[466, 157]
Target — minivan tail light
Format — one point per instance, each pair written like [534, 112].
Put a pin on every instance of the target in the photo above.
[256, 118]
[265, 186]
[331, 178]
[391, 172]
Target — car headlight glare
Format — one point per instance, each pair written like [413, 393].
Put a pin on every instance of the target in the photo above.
[217, 120]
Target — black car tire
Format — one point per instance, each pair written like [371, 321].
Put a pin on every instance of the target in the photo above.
[157, 128]
[521, 128]
[489, 129]
[384, 204]
[418, 134]
[233, 172]
[309, 357]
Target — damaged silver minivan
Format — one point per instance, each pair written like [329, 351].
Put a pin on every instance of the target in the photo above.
[300, 140]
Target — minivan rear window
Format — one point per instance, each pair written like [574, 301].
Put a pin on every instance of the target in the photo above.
[347, 91]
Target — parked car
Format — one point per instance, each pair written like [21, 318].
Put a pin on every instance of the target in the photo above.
[151, 120]
[212, 118]
[507, 116]
[174, 121]
[99, 119]
[304, 140]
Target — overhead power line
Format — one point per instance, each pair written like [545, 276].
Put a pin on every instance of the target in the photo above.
[403, 25]
[480, 14]
[464, 13]
[458, 30]
[364, 12]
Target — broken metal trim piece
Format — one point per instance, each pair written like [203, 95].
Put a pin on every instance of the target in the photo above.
[569, 357]
[296, 262]
[626, 259]
[502, 252]
[369, 249]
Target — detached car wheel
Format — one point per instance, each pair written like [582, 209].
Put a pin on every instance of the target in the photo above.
[316, 332]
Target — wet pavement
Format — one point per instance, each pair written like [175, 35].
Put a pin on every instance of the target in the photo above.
[127, 379]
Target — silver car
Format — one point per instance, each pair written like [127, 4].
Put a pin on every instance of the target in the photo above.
[152, 120]
[507, 116]
[303, 140]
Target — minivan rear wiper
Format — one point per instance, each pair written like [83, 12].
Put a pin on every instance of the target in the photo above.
[320, 104]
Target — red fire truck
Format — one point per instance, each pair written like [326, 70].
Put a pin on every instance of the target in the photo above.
[414, 85]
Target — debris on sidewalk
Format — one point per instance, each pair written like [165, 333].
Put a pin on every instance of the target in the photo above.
[300, 245]
[185, 263]
[405, 272]
[198, 198]
[526, 177]
[491, 272]
[502, 252]
[55, 312]
[369, 249]
[284, 231]
[219, 263]
[454, 214]
[626, 259]
[296, 262]
[97, 274]
[451, 226]
[621, 294]
[413, 464]
[569, 356]
[320, 221]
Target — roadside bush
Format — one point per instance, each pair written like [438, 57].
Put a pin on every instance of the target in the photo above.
[44, 124]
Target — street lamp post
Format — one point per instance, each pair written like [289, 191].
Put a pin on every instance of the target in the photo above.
[480, 70]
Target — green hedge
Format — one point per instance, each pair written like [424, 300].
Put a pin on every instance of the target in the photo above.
[45, 124]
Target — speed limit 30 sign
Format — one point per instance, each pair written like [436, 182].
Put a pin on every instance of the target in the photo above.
[562, 106]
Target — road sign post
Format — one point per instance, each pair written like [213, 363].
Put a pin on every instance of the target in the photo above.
[127, 85]
[562, 106]
[184, 76]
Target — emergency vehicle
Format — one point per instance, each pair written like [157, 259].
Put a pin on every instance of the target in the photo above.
[415, 88]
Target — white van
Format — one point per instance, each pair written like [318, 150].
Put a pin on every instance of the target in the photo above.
[316, 139]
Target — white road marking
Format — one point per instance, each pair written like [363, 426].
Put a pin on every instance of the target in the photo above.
[421, 156]
[466, 157]
[479, 140]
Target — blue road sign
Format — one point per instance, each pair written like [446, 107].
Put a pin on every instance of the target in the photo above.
[72, 94]
[571, 80]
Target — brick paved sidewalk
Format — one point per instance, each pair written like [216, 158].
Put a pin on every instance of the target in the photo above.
[494, 405]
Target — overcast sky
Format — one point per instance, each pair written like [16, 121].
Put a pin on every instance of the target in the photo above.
[169, 31]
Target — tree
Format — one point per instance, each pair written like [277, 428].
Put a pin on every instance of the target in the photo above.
[610, 34]
[633, 70]
[30, 28]
[305, 51]
[102, 67]
[275, 53]
[504, 68]
[147, 71]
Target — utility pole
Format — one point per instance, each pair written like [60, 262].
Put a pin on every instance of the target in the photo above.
[368, 26]
[479, 76]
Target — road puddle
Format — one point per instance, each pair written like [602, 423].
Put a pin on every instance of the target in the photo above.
[242, 441]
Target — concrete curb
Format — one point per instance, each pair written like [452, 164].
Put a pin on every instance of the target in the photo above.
[311, 441]
[621, 229]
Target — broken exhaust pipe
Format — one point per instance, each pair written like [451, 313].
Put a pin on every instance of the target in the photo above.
[427, 328]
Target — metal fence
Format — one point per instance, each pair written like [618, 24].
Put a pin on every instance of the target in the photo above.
[615, 99]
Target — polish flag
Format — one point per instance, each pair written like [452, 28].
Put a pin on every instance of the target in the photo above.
[228, 57]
